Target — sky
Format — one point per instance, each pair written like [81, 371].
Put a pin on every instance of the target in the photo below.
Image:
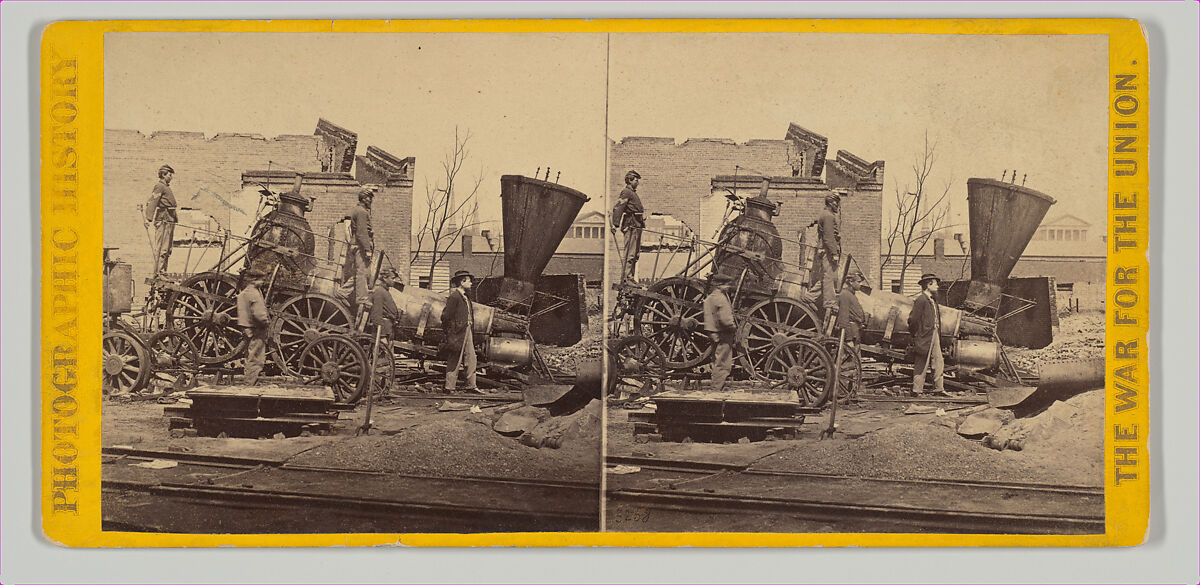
[1037, 104]
[528, 100]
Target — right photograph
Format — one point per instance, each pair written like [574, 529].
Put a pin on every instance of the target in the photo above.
[856, 283]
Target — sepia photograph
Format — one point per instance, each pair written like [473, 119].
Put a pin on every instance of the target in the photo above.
[857, 283]
[352, 283]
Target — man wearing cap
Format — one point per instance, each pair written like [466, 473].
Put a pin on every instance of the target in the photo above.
[629, 215]
[851, 318]
[719, 324]
[458, 320]
[362, 249]
[830, 252]
[161, 210]
[253, 318]
[924, 323]
[384, 312]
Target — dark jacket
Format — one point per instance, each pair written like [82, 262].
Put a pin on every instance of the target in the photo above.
[827, 233]
[922, 323]
[455, 319]
[384, 312]
[360, 229]
[851, 316]
[629, 212]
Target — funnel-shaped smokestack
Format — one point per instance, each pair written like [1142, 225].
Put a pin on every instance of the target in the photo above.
[537, 215]
[1003, 218]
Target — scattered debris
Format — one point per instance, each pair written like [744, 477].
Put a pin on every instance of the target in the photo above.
[448, 406]
[985, 422]
[623, 469]
[157, 464]
[921, 409]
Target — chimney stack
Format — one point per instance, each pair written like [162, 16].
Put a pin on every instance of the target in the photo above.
[467, 245]
[939, 249]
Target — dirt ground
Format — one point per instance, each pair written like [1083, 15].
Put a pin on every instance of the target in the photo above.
[410, 436]
[1062, 444]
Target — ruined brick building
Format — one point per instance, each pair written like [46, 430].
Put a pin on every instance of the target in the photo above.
[209, 185]
[688, 181]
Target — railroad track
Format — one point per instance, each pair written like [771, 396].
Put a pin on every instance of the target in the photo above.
[217, 494]
[665, 494]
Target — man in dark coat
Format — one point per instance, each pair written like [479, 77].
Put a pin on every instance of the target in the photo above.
[164, 216]
[924, 323]
[458, 320]
[851, 318]
[253, 317]
[362, 249]
[829, 253]
[384, 312]
[721, 328]
[628, 215]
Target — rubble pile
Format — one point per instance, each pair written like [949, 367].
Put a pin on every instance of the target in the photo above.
[1079, 336]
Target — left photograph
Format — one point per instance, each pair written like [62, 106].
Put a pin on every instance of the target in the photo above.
[352, 282]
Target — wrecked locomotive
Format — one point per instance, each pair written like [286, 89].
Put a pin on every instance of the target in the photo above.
[189, 324]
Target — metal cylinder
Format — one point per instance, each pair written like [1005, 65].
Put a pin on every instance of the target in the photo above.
[977, 354]
[1076, 375]
[422, 309]
[879, 304]
[509, 350]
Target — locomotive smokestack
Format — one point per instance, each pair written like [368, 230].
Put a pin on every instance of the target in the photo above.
[536, 216]
[1003, 218]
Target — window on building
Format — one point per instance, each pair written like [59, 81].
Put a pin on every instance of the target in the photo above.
[424, 282]
[896, 286]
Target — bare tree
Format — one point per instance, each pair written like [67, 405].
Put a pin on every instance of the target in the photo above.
[451, 205]
[919, 214]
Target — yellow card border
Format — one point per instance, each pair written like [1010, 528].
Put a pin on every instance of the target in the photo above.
[72, 128]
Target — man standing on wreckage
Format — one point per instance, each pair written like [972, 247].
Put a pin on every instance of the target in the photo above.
[458, 320]
[924, 323]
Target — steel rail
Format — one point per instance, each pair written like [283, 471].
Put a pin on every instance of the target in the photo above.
[941, 520]
[700, 467]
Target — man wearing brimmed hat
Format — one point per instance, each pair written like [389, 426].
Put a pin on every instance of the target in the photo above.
[458, 320]
[253, 317]
[362, 248]
[924, 324]
[161, 211]
[720, 326]
[629, 216]
[384, 312]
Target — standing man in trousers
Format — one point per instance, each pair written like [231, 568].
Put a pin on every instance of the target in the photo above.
[458, 320]
[362, 249]
[924, 324]
[718, 322]
[253, 318]
[830, 238]
[161, 210]
[629, 215]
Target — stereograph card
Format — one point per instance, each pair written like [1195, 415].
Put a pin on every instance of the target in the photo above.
[624, 283]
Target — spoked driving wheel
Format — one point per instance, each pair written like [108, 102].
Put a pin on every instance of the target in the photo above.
[675, 322]
[804, 367]
[638, 367]
[850, 374]
[125, 365]
[174, 357]
[384, 376]
[335, 361]
[770, 324]
[206, 313]
[302, 320]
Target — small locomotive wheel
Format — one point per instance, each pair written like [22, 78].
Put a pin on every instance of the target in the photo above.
[771, 324]
[804, 367]
[302, 320]
[206, 313]
[171, 352]
[338, 362]
[676, 326]
[638, 366]
[125, 363]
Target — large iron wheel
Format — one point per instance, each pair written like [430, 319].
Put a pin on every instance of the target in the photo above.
[638, 367]
[206, 313]
[384, 376]
[804, 367]
[850, 374]
[770, 324]
[302, 320]
[676, 324]
[173, 354]
[125, 366]
[335, 361]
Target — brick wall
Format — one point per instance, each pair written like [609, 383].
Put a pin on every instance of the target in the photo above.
[207, 171]
[679, 180]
